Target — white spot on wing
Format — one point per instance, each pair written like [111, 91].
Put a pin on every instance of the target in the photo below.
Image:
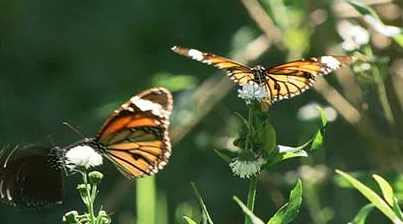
[146, 105]
[330, 62]
[195, 54]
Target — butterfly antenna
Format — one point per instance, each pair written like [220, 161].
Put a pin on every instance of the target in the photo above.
[74, 129]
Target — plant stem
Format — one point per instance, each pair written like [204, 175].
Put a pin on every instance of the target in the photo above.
[251, 197]
[90, 199]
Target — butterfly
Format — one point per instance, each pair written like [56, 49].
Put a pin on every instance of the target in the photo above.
[135, 136]
[31, 177]
[281, 81]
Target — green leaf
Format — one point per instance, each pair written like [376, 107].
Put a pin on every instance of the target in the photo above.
[174, 82]
[371, 196]
[280, 156]
[223, 156]
[397, 209]
[189, 220]
[204, 208]
[253, 218]
[289, 211]
[362, 214]
[387, 190]
[286, 152]
[266, 135]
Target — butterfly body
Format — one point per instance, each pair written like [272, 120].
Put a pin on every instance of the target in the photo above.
[281, 81]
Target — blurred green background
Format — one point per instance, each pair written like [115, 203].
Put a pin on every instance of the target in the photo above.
[76, 61]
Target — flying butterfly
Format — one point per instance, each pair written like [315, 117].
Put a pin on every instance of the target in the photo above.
[135, 137]
[281, 81]
[31, 176]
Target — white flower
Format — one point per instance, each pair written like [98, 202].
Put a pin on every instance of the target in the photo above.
[83, 156]
[354, 36]
[246, 168]
[251, 92]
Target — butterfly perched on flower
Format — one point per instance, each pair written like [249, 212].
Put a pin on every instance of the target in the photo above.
[31, 176]
[135, 136]
[281, 81]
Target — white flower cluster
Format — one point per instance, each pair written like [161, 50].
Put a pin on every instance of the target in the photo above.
[354, 36]
[246, 168]
[251, 92]
[83, 156]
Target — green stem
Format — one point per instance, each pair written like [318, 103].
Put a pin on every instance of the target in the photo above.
[253, 179]
[90, 199]
[251, 197]
[250, 129]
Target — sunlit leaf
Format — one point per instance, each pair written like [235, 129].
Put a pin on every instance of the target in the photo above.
[387, 190]
[362, 214]
[375, 199]
[189, 220]
[289, 211]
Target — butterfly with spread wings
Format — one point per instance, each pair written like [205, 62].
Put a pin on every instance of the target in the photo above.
[281, 81]
[135, 137]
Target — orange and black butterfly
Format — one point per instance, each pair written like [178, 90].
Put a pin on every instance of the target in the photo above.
[135, 137]
[281, 81]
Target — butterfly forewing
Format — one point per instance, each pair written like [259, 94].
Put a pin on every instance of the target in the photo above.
[135, 136]
[238, 72]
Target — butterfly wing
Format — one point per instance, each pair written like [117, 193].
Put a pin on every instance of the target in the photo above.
[136, 137]
[31, 181]
[293, 78]
[238, 72]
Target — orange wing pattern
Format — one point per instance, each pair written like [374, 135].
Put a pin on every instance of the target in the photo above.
[135, 137]
[282, 81]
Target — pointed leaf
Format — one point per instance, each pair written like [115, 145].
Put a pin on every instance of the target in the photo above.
[362, 214]
[223, 156]
[289, 211]
[199, 198]
[371, 196]
[253, 218]
[189, 220]
[396, 208]
[387, 190]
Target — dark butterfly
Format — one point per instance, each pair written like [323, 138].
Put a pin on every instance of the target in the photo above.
[31, 177]
[281, 81]
[135, 137]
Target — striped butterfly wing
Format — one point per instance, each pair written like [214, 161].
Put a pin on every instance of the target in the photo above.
[241, 74]
[293, 78]
[135, 137]
[32, 179]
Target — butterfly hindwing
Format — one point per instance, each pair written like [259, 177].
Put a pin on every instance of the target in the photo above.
[135, 136]
[32, 178]
[293, 78]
